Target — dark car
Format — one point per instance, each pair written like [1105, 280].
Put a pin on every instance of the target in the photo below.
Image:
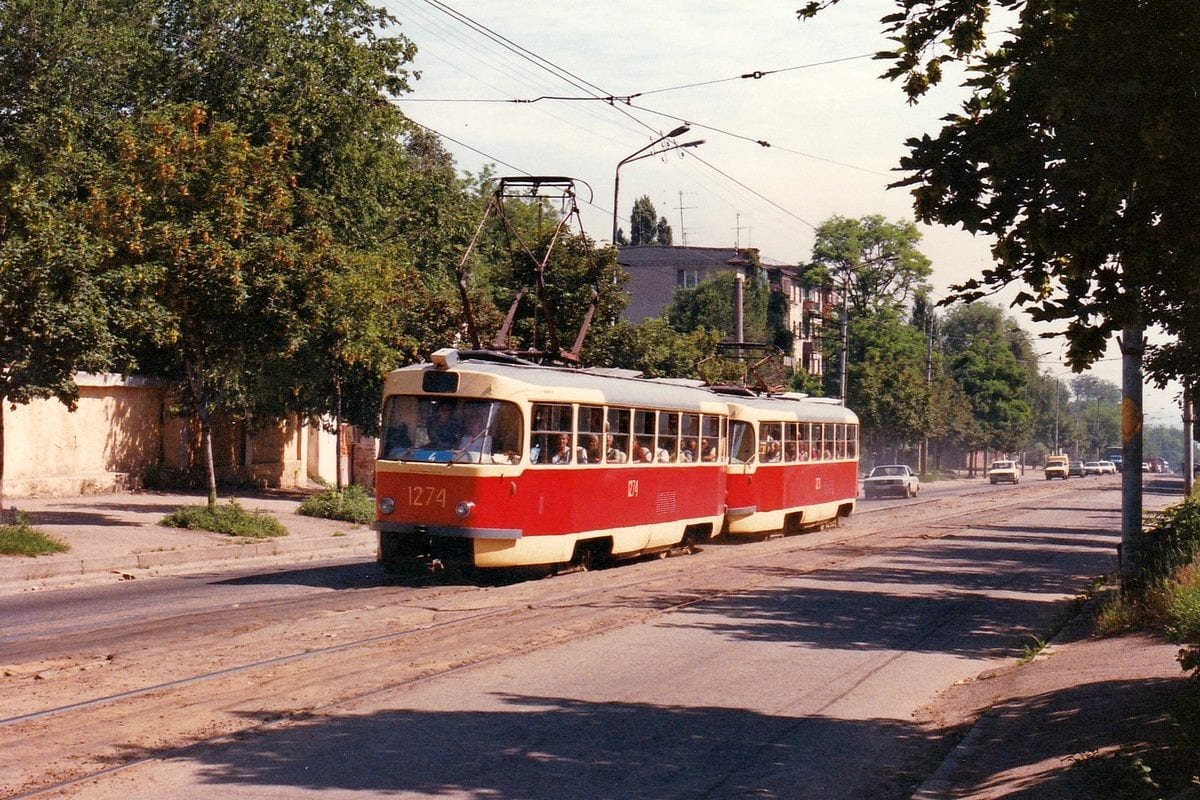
[1075, 469]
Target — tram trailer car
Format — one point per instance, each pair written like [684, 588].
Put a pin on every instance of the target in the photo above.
[499, 465]
[793, 464]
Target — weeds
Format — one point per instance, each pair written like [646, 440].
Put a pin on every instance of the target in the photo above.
[230, 519]
[19, 538]
[352, 504]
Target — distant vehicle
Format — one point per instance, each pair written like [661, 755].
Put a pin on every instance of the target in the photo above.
[891, 479]
[1056, 467]
[1116, 455]
[1092, 468]
[1076, 469]
[1107, 467]
[1004, 471]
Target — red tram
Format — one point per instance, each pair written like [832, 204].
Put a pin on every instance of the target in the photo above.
[492, 462]
[793, 464]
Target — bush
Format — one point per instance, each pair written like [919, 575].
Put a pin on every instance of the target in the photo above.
[19, 538]
[231, 519]
[352, 504]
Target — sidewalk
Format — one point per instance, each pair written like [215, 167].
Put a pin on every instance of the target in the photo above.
[118, 537]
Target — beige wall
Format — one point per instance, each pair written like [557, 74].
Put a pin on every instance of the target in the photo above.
[120, 428]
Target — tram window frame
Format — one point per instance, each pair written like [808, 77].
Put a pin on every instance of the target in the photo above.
[689, 429]
[590, 430]
[550, 422]
[742, 449]
[770, 442]
[711, 434]
[791, 445]
[616, 425]
[644, 427]
[852, 441]
[666, 444]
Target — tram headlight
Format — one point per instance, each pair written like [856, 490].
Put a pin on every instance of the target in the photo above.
[464, 508]
[387, 505]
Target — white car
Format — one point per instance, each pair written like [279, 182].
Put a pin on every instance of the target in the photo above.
[1099, 468]
[1004, 471]
[891, 479]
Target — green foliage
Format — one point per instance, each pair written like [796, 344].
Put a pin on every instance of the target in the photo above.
[1072, 150]
[710, 305]
[646, 227]
[230, 519]
[19, 538]
[875, 262]
[352, 504]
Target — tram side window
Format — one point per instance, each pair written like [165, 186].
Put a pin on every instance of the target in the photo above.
[741, 442]
[690, 429]
[710, 438]
[667, 446]
[826, 440]
[851, 441]
[616, 436]
[770, 442]
[643, 436]
[791, 438]
[839, 440]
[591, 433]
[552, 441]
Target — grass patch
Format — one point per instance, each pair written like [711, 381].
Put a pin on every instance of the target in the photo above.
[352, 504]
[230, 519]
[19, 538]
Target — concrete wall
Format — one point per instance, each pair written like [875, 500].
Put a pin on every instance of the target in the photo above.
[121, 427]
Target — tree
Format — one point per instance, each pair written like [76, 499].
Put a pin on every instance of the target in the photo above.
[989, 357]
[875, 262]
[886, 381]
[59, 75]
[646, 227]
[214, 246]
[1072, 150]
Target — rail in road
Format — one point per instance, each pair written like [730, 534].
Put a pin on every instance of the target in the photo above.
[205, 678]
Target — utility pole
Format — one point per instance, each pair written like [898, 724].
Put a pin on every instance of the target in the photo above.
[1132, 346]
[1189, 448]
[923, 456]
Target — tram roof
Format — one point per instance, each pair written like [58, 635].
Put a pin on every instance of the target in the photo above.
[565, 384]
[812, 409]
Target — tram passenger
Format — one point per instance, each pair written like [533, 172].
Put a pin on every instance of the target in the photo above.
[475, 438]
[642, 452]
[591, 449]
[689, 454]
[444, 430]
[708, 450]
[562, 453]
[611, 452]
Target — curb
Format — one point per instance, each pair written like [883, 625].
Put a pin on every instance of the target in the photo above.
[34, 570]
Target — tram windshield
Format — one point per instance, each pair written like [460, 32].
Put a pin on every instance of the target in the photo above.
[450, 430]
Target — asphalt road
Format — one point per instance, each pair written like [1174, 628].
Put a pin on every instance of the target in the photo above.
[789, 668]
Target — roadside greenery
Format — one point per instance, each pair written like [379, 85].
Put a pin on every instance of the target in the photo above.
[1168, 599]
[230, 519]
[351, 504]
[19, 538]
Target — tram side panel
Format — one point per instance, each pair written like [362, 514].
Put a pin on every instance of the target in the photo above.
[520, 517]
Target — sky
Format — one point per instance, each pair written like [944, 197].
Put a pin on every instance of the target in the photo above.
[834, 129]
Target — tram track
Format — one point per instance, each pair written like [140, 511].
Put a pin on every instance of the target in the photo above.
[414, 634]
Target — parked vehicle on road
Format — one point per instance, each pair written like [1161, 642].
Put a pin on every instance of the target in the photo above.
[1076, 469]
[896, 479]
[1056, 467]
[1004, 471]
[1107, 467]
[1092, 468]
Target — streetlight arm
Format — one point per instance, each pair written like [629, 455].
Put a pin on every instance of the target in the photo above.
[638, 155]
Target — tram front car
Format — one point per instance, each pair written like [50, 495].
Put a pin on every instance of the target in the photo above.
[490, 464]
